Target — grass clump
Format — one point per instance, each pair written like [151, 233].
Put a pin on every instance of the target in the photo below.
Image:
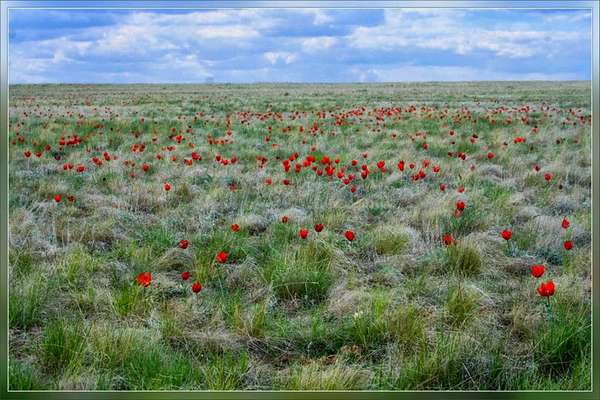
[130, 299]
[304, 273]
[226, 371]
[27, 302]
[407, 326]
[390, 242]
[463, 259]
[461, 305]
[564, 340]
[315, 376]
[63, 344]
[24, 376]
[140, 361]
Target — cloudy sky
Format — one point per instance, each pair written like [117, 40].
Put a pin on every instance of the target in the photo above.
[298, 45]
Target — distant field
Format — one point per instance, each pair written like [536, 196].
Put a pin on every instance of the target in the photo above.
[351, 237]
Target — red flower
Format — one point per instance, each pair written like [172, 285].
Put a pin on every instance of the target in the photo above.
[546, 289]
[349, 235]
[537, 270]
[222, 257]
[167, 187]
[448, 239]
[303, 233]
[566, 223]
[196, 287]
[144, 279]
[507, 234]
[568, 244]
[460, 205]
[442, 187]
[183, 244]
[284, 219]
[235, 227]
[319, 227]
[548, 176]
[490, 155]
[27, 153]
[185, 275]
[145, 167]
[57, 198]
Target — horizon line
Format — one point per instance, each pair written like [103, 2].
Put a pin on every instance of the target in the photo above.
[292, 83]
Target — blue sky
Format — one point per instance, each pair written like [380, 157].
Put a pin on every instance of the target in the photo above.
[297, 45]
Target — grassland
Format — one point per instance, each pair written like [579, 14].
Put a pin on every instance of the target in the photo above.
[396, 308]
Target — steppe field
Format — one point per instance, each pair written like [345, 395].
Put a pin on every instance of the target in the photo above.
[300, 237]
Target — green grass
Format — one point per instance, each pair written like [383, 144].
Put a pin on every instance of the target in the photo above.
[303, 273]
[394, 309]
[463, 259]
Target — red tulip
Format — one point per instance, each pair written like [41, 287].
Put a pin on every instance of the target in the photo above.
[235, 227]
[548, 176]
[185, 275]
[490, 155]
[353, 189]
[460, 205]
[537, 270]
[507, 234]
[196, 287]
[57, 198]
[546, 289]
[183, 244]
[27, 153]
[566, 223]
[319, 227]
[442, 187]
[145, 167]
[448, 239]
[222, 257]
[303, 233]
[167, 187]
[284, 219]
[349, 235]
[568, 244]
[144, 279]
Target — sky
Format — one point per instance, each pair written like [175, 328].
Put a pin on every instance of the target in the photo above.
[297, 45]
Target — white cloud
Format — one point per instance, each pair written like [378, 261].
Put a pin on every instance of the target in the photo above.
[316, 44]
[449, 30]
[275, 56]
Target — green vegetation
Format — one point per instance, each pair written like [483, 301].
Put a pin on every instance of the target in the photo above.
[395, 308]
